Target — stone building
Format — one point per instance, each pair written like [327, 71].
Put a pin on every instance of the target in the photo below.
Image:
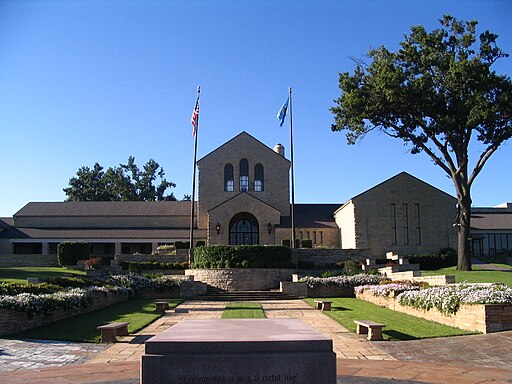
[243, 198]
[402, 214]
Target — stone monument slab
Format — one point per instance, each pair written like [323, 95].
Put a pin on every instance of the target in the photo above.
[239, 351]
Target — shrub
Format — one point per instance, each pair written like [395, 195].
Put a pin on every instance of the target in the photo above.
[93, 263]
[137, 267]
[446, 257]
[68, 253]
[166, 247]
[242, 256]
[75, 282]
[306, 243]
[288, 243]
[11, 289]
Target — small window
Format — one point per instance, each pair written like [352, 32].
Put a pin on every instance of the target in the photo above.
[244, 175]
[258, 178]
[228, 178]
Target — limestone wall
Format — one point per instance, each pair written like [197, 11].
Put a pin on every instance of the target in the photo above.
[242, 279]
[30, 260]
[322, 257]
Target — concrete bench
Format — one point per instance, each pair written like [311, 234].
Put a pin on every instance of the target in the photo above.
[323, 305]
[111, 330]
[161, 306]
[373, 329]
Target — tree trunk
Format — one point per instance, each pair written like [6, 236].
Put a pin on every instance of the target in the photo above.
[463, 238]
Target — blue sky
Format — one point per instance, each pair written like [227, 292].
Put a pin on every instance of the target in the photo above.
[97, 81]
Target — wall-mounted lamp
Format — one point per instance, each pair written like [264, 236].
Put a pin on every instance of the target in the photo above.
[269, 228]
[217, 227]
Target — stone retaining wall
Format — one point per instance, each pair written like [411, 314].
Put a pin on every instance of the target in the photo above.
[29, 260]
[485, 318]
[242, 279]
[328, 257]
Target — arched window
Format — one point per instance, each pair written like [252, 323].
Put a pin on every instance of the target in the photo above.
[243, 230]
[258, 178]
[228, 178]
[244, 175]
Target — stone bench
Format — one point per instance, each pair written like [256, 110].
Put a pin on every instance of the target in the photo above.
[323, 305]
[373, 329]
[111, 330]
[161, 306]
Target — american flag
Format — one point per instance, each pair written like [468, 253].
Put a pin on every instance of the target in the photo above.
[194, 120]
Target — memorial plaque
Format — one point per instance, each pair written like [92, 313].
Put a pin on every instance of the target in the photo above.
[239, 351]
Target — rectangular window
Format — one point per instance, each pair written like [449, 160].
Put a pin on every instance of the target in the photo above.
[314, 237]
[244, 183]
[321, 237]
[418, 223]
[393, 224]
[301, 235]
[307, 235]
[509, 241]
[405, 212]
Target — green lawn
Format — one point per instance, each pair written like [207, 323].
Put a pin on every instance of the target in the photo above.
[243, 310]
[478, 275]
[20, 274]
[399, 326]
[139, 312]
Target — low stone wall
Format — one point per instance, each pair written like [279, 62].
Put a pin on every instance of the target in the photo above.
[242, 279]
[485, 318]
[294, 289]
[330, 291]
[28, 260]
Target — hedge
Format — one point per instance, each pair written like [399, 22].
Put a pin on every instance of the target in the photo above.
[242, 256]
[138, 267]
[445, 258]
[68, 253]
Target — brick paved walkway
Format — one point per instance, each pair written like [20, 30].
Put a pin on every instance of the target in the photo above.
[359, 361]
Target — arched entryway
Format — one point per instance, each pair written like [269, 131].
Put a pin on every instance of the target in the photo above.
[244, 230]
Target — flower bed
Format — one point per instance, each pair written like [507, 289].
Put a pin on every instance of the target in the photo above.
[337, 286]
[25, 307]
[482, 308]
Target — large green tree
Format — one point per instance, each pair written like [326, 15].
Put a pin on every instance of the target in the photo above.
[438, 94]
[124, 182]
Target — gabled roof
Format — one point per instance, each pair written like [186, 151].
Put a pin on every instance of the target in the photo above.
[312, 216]
[391, 179]
[105, 208]
[238, 137]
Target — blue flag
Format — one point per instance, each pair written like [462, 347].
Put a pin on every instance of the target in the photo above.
[282, 112]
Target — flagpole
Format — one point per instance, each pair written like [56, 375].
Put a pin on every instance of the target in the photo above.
[292, 168]
[192, 205]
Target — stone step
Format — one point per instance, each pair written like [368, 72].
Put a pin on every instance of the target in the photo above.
[216, 294]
